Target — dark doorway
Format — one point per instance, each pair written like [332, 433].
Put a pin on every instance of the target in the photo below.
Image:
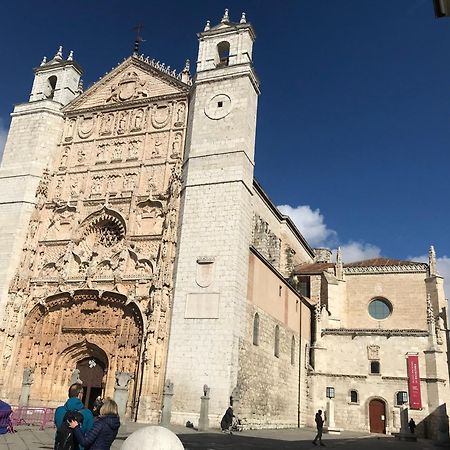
[92, 373]
[377, 416]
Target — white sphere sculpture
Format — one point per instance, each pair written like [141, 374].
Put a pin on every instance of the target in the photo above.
[152, 438]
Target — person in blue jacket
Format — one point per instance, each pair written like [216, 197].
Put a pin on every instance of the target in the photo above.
[74, 403]
[104, 431]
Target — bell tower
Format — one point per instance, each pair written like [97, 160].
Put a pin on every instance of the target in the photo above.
[35, 132]
[57, 80]
[210, 292]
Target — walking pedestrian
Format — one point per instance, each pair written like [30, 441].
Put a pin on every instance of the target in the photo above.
[319, 424]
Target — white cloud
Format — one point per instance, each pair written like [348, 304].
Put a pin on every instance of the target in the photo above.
[443, 268]
[310, 223]
[358, 251]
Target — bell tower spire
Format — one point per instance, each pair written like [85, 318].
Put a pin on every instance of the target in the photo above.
[57, 79]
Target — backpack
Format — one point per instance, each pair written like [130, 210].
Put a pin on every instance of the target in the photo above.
[65, 439]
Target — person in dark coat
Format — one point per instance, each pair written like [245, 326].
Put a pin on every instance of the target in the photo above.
[227, 420]
[412, 425]
[104, 431]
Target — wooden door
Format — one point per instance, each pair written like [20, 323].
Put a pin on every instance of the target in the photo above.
[92, 373]
[377, 416]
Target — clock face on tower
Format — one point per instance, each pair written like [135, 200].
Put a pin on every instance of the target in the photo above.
[218, 106]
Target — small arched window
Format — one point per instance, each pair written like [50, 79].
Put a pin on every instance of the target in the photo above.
[276, 351]
[375, 367]
[354, 396]
[51, 86]
[256, 329]
[293, 351]
[223, 53]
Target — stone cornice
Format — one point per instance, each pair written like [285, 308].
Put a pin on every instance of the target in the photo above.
[403, 268]
[373, 332]
[338, 375]
[125, 105]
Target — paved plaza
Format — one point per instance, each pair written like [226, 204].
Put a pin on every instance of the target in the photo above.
[31, 438]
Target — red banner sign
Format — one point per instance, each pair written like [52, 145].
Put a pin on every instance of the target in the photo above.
[415, 399]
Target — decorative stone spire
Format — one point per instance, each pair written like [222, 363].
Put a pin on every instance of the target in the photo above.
[70, 57]
[207, 26]
[339, 265]
[44, 61]
[243, 18]
[185, 75]
[59, 53]
[432, 262]
[226, 17]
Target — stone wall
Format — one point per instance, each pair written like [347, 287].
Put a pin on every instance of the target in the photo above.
[268, 384]
[406, 292]
[343, 362]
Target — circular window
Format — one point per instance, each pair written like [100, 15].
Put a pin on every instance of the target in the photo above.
[380, 309]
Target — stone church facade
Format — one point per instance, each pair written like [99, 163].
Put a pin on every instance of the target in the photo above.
[139, 255]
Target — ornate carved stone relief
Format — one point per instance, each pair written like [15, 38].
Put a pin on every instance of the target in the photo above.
[160, 116]
[130, 87]
[86, 126]
[373, 352]
[149, 217]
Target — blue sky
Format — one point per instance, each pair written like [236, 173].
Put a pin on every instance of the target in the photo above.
[354, 115]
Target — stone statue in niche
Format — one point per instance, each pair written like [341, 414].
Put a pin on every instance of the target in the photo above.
[176, 146]
[64, 156]
[112, 183]
[97, 182]
[70, 129]
[123, 379]
[75, 377]
[158, 146]
[81, 155]
[59, 187]
[106, 124]
[117, 150]
[102, 151]
[129, 182]
[180, 114]
[137, 121]
[133, 148]
[7, 352]
[122, 123]
[28, 373]
[74, 188]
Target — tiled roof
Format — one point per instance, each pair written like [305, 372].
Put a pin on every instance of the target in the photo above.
[379, 262]
[313, 268]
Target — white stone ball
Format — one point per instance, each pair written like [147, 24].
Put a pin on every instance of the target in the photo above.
[152, 438]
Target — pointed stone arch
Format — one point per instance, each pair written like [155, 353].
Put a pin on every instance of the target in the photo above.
[69, 327]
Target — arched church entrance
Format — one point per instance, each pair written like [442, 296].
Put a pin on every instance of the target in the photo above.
[88, 336]
[377, 416]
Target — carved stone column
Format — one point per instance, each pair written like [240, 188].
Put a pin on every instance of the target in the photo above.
[166, 412]
[203, 422]
[121, 391]
[27, 381]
